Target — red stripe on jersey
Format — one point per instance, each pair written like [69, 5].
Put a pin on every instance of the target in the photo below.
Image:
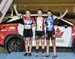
[42, 23]
[23, 17]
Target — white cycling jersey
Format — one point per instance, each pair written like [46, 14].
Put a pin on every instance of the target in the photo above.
[39, 24]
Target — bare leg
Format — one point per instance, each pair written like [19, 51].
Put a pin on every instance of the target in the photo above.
[43, 47]
[54, 47]
[37, 47]
[43, 44]
[30, 45]
[47, 46]
[26, 46]
[37, 44]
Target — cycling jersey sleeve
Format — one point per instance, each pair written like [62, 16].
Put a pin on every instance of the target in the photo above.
[54, 17]
[46, 22]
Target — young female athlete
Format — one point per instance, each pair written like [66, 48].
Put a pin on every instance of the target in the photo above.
[50, 31]
[28, 23]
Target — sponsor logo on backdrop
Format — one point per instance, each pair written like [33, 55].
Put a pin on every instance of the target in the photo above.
[58, 33]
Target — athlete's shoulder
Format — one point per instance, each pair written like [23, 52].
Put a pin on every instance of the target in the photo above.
[36, 17]
[32, 18]
[43, 17]
[23, 17]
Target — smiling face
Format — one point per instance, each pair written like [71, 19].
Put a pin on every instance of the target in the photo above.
[39, 12]
[49, 13]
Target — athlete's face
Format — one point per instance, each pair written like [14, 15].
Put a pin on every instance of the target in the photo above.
[39, 13]
[28, 13]
[49, 14]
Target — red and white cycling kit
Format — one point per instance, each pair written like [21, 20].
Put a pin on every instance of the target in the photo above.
[39, 24]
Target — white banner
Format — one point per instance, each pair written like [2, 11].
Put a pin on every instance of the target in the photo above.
[4, 6]
[63, 36]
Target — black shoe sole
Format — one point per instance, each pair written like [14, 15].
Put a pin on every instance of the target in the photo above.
[25, 54]
[47, 55]
[37, 55]
[29, 54]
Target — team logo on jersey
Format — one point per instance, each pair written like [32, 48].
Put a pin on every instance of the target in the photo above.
[58, 33]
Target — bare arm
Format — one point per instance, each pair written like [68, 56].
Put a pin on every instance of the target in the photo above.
[60, 17]
[44, 25]
[15, 9]
[33, 25]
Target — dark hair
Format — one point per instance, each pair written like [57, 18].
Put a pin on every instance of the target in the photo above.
[27, 10]
[40, 10]
[50, 11]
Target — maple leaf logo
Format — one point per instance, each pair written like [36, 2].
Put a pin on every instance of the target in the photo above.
[58, 33]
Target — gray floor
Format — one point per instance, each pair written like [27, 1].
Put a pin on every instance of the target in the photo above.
[20, 55]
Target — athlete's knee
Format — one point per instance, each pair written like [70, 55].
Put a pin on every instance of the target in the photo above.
[53, 42]
[47, 42]
[42, 41]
